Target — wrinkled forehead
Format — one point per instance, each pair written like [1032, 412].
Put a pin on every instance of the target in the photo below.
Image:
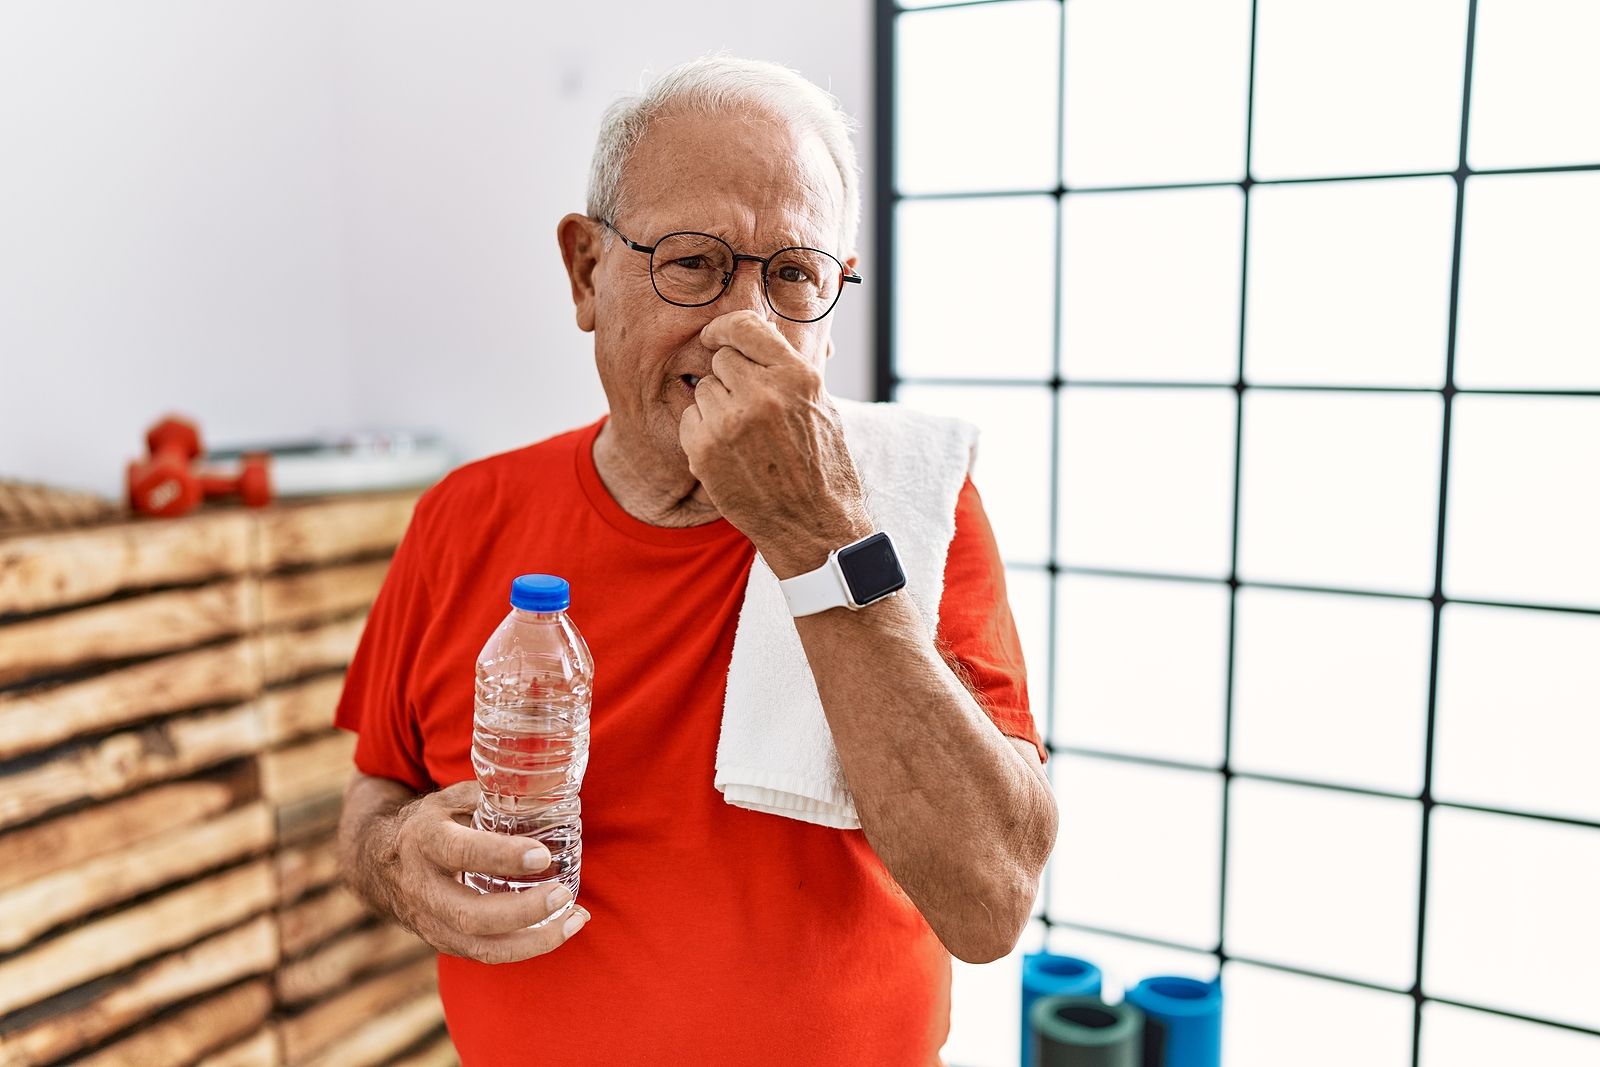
[751, 178]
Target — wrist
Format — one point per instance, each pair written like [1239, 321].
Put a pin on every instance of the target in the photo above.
[805, 550]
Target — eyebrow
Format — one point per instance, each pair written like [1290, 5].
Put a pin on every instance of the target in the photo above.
[785, 239]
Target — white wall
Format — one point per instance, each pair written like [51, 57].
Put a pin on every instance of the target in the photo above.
[289, 217]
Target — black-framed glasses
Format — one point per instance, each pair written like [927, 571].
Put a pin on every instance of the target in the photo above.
[692, 270]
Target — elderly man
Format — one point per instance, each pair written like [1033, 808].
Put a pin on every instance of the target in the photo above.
[708, 933]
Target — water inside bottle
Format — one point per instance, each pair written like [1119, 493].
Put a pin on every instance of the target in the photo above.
[530, 747]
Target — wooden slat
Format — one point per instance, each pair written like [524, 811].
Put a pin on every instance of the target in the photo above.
[29, 910]
[440, 1052]
[377, 1041]
[80, 836]
[303, 708]
[185, 1036]
[125, 760]
[34, 719]
[222, 958]
[43, 571]
[124, 629]
[315, 919]
[317, 1027]
[260, 1049]
[305, 868]
[320, 766]
[290, 653]
[306, 596]
[333, 529]
[313, 817]
[106, 945]
[336, 963]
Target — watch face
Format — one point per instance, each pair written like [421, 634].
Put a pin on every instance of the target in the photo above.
[871, 569]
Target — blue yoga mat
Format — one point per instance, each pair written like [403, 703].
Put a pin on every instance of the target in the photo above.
[1183, 1021]
[1045, 974]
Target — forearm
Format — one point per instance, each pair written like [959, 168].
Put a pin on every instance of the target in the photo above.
[961, 821]
[367, 825]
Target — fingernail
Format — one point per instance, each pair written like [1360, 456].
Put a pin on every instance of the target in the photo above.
[575, 922]
[536, 859]
[558, 896]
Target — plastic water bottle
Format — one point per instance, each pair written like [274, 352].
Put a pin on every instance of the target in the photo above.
[530, 732]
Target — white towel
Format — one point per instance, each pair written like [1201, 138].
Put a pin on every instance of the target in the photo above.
[775, 752]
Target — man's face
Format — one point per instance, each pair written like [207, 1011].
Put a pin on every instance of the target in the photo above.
[752, 181]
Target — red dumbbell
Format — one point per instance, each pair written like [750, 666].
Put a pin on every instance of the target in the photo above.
[164, 483]
[253, 483]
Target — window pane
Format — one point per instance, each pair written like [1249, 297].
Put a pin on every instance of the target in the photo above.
[1273, 1018]
[1524, 515]
[1529, 279]
[1535, 83]
[1150, 285]
[1360, 87]
[1112, 633]
[1012, 468]
[975, 96]
[1028, 592]
[1147, 479]
[985, 1012]
[1155, 91]
[1332, 688]
[1452, 1037]
[1512, 922]
[1138, 849]
[1340, 490]
[1324, 881]
[1518, 722]
[1350, 282]
[956, 263]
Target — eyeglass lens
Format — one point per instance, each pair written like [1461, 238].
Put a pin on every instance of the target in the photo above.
[692, 268]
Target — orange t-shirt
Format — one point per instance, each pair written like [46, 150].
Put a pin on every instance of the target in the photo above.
[718, 935]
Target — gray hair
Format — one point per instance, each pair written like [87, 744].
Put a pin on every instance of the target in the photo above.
[719, 83]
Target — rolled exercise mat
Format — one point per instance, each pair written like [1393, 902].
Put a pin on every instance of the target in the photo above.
[1045, 974]
[1183, 1021]
[1084, 1032]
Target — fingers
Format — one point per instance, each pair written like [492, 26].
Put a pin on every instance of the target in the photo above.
[524, 944]
[752, 334]
[462, 796]
[710, 394]
[500, 927]
[689, 427]
[733, 369]
[452, 847]
[467, 911]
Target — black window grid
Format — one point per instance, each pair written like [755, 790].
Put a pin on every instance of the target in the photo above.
[886, 379]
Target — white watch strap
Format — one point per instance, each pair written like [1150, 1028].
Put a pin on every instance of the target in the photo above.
[816, 590]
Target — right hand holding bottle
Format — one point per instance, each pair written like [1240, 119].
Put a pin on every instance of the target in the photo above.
[429, 850]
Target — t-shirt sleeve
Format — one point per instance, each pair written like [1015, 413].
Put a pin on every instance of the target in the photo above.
[977, 635]
[376, 704]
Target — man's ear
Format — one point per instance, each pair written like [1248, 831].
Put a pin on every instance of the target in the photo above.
[829, 353]
[579, 239]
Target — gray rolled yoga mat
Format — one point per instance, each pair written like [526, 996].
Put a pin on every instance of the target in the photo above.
[1084, 1032]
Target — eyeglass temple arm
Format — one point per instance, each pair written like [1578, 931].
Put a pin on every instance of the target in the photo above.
[636, 246]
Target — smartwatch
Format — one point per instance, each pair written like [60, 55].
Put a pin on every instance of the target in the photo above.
[854, 576]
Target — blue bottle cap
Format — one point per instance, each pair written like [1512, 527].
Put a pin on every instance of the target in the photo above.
[540, 592]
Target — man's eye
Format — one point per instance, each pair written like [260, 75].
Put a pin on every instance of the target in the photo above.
[690, 262]
[793, 274]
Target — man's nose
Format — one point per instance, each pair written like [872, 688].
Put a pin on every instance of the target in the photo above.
[744, 290]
